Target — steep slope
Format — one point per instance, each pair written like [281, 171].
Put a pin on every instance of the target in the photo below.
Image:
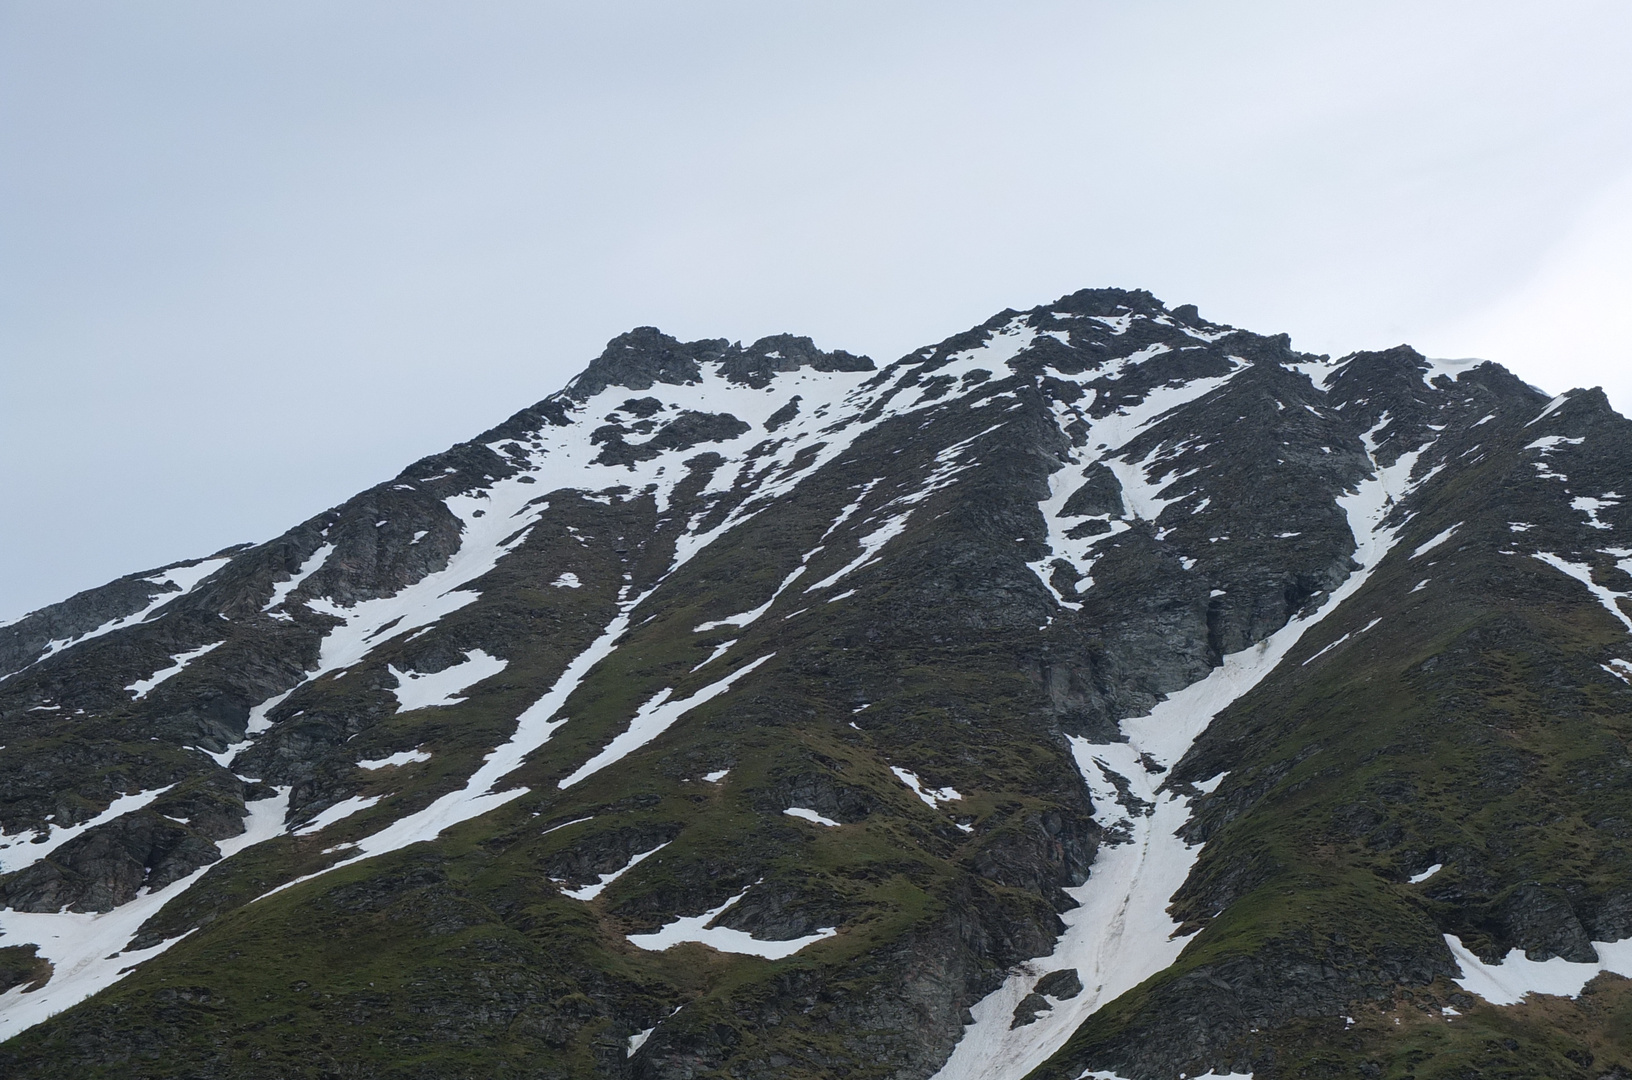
[1087, 694]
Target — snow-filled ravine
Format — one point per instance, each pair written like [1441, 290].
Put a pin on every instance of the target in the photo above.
[1121, 933]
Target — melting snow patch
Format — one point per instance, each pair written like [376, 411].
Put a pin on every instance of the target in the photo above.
[933, 796]
[1590, 507]
[179, 661]
[747, 617]
[446, 687]
[1552, 406]
[716, 776]
[401, 757]
[1418, 879]
[719, 651]
[185, 578]
[1516, 975]
[723, 938]
[567, 580]
[258, 721]
[811, 816]
[637, 1040]
[282, 589]
[870, 545]
[1583, 573]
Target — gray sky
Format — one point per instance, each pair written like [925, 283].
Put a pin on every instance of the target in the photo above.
[257, 256]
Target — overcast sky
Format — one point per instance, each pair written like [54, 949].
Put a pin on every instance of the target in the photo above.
[257, 256]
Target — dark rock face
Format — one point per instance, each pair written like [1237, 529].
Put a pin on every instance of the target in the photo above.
[764, 728]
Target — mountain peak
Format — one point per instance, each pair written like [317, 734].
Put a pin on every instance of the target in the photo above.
[1098, 691]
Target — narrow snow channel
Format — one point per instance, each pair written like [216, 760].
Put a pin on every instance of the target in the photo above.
[1121, 934]
[143, 687]
[184, 578]
[654, 718]
[590, 892]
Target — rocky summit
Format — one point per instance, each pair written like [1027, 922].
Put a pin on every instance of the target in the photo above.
[1101, 692]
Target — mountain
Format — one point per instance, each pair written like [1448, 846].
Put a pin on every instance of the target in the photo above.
[1100, 692]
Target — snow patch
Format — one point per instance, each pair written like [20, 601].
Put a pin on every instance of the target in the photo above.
[723, 938]
[400, 758]
[1516, 976]
[1583, 573]
[282, 589]
[338, 812]
[932, 796]
[811, 816]
[1423, 549]
[436, 689]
